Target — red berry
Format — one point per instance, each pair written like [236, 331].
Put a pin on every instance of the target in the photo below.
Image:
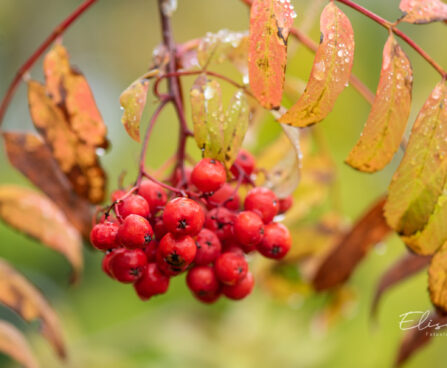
[174, 255]
[151, 251]
[241, 289]
[117, 194]
[106, 261]
[135, 232]
[103, 235]
[245, 161]
[127, 265]
[262, 201]
[232, 247]
[276, 241]
[134, 204]
[208, 175]
[220, 220]
[151, 282]
[208, 247]
[203, 282]
[226, 196]
[159, 227]
[230, 268]
[176, 179]
[154, 194]
[285, 204]
[183, 216]
[248, 228]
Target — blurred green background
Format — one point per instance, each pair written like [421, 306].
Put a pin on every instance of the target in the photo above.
[105, 324]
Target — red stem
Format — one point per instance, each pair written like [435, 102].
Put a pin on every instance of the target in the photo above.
[388, 25]
[59, 30]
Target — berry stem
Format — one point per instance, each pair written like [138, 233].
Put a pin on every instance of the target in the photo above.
[58, 31]
[388, 25]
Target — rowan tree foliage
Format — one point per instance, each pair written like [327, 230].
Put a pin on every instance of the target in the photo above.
[204, 217]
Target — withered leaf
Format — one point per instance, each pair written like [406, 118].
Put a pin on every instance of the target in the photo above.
[35, 215]
[14, 345]
[421, 176]
[402, 269]
[76, 158]
[22, 297]
[341, 261]
[270, 22]
[423, 11]
[69, 89]
[387, 120]
[330, 72]
[31, 156]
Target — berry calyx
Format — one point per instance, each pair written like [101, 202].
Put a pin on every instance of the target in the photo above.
[135, 232]
[133, 205]
[154, 194]
[152, 282]
[208, 175]
[220, 221]
[175, 254]
[103, 235]
[248, 228]
[208, 247]
[245, 162]
[127, 265]
[230, 268]
[183, 216]
[203, 282]
[276, 241]
[225, 196]
[262, 201]
[241, 289]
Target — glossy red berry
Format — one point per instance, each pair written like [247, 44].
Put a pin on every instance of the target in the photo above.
[233, 247]
[285, 204]
[103, 235]
[151, 250]
[276, 241]
[117, 194]
[135, 232]
[159, 227]
[183, 216]
[127, 265]
[245, 161]
[134, 204]
[208, 247]
[208, 175]
[203, 282]
[262, 201]
[220, 220]
[106, 261]
[152, 282]
[230, 268]
[175, 254]
[154, 194]
[241, 289]
[248, 228]
[225, 196]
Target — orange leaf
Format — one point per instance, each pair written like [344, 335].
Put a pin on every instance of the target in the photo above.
[330, 72]
[270, 21]
[341, 261]
[22, 297]
[76, 158]
[415, 338]
[32, 157]
[399, 271]
[423, 11]
[387, 120]
[422, 173]
[35, 215]
[68, 87]
[14, 345]
[437, 278]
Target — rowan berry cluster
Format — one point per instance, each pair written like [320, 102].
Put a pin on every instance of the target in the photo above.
[152, 238]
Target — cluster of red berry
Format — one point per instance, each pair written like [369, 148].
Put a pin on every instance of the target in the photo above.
[152, 239]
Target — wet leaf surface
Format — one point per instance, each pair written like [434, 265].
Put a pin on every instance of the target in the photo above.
[423, 11]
